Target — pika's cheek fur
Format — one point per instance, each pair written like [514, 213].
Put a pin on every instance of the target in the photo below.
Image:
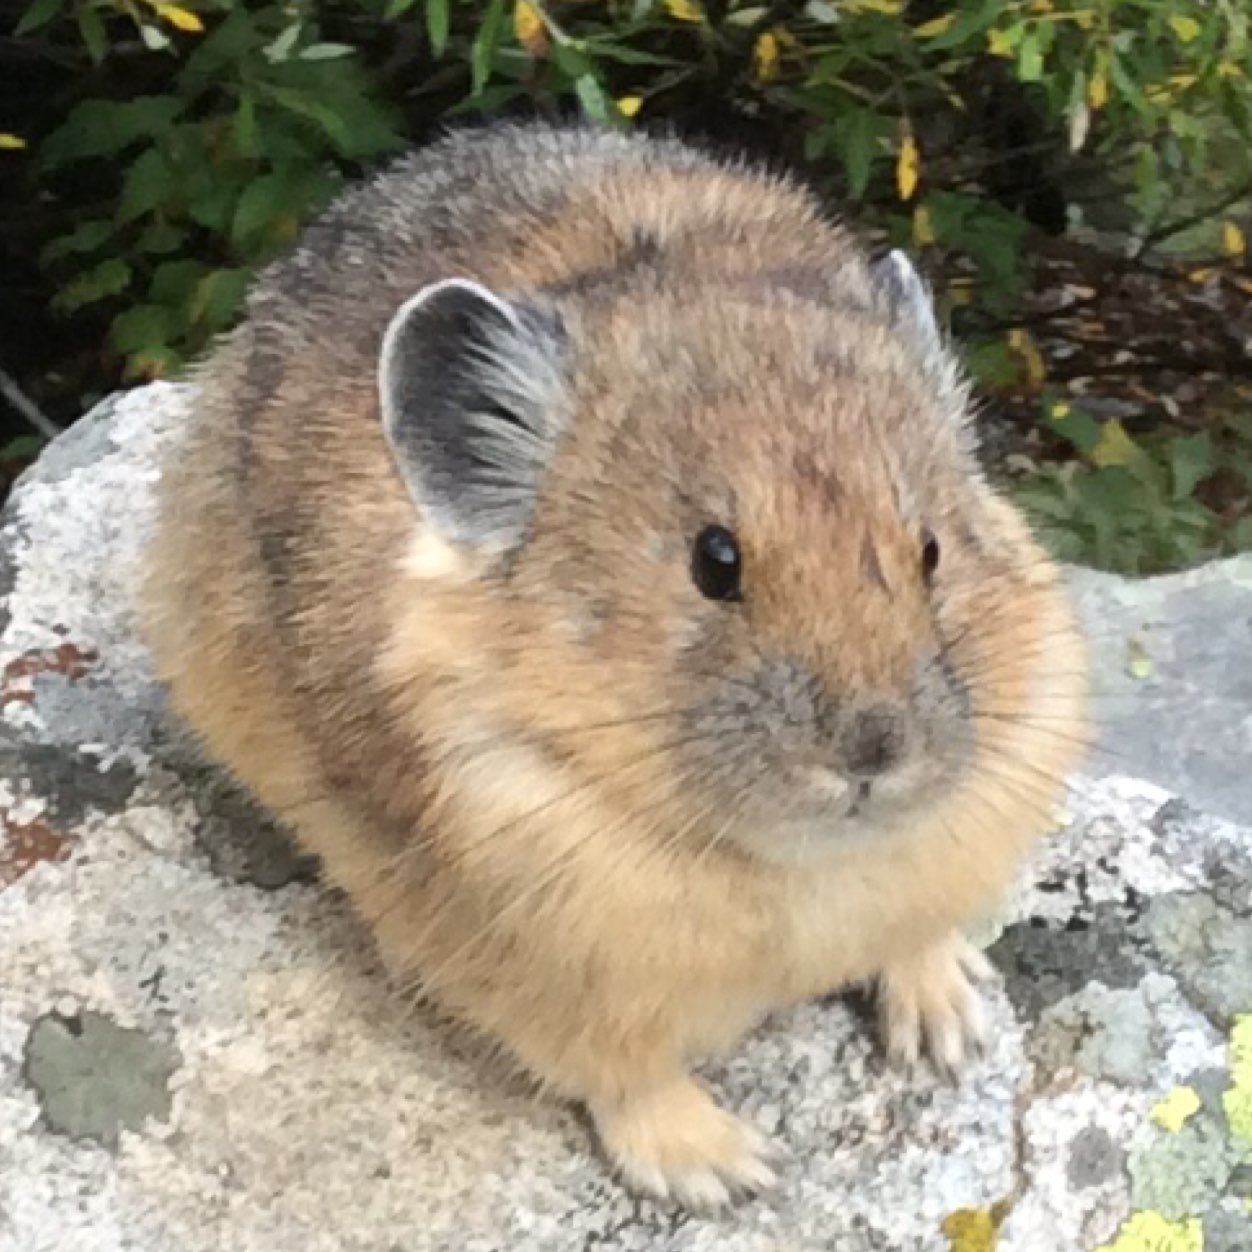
[429, 577]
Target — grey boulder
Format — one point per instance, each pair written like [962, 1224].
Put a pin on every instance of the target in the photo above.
[198, 1050]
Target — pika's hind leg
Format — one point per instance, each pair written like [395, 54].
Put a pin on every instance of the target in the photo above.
[929, 1005]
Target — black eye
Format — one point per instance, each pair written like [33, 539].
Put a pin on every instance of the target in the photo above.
[930, 556]
[716, 568]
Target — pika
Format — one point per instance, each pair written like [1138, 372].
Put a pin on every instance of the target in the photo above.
[581, 547]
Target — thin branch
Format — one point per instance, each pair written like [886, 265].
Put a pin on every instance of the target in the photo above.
[1178, 225]
[26, 406]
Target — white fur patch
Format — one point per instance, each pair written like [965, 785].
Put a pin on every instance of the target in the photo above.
[431, 557]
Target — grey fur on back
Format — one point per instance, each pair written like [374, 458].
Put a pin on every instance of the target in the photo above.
[443, 200]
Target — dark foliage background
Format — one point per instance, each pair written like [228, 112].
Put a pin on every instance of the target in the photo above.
[1075, 176]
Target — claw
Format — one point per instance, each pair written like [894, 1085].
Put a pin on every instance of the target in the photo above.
[930, 1006]
[676, 1144]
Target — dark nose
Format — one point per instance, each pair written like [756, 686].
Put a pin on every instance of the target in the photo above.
[873, 741]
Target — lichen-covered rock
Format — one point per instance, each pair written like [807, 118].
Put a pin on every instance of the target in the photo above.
[198, 1050]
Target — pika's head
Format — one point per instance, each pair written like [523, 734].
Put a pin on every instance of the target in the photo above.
[721, 550]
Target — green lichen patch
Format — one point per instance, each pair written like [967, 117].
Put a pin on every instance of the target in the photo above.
[1183, 1173]
[95, 1078]
[1207, 948]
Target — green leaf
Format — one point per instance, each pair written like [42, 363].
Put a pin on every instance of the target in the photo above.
[150, 182]
[436, 25]
[214, 208]
[245, 125]
[485, 44]
[103, 128]
[1030, 58]
[488, 101]
[281, 48]
[143, 327]
[222, 52]
[395, 8]
[1241, 535]
[91, 31]
[1077, 427]
[315, 111]
[628, 56]
[595, 102]
[151, 363]
[218, 296]
[1127, 87]
[353, 124]
[326, 51]
[174, 281]
[85, 238]
[1190, 461]
[161, 238]
[109, 278]
[856, 135]
[573, 61]
[263, 201]
[747, 17]
[154, 38]
[22, 448]
[38, 14]
[973, 20]
[993, 364]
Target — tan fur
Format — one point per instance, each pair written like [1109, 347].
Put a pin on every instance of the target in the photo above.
[476, 764]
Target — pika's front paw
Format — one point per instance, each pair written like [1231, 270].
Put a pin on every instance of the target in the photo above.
[674, 1143]
[930, 1006]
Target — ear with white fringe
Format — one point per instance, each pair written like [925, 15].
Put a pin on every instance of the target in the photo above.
[472, 390]
[903, 298]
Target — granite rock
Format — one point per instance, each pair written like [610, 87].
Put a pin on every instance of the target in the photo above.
[198, 1049]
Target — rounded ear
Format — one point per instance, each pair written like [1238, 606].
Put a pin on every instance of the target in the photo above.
[472, 389]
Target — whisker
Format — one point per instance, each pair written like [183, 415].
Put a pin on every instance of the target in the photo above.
[561, 864]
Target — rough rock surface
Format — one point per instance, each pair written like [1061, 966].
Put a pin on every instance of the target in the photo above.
[198, 1051]
[1173, 686]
